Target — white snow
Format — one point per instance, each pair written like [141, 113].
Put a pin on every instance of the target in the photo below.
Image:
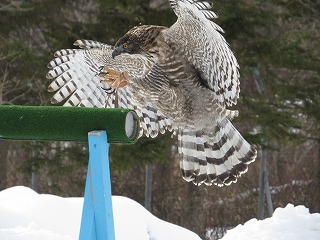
[294, 223]
[25, 214]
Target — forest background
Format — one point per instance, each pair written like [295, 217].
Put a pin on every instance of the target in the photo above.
[277, 45]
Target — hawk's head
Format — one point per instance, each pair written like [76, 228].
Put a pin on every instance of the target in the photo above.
[138, 40]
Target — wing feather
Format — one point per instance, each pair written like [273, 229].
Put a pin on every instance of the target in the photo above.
[203, 46]
[76, 82]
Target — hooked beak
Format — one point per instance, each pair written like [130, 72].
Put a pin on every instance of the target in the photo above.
[117, 51]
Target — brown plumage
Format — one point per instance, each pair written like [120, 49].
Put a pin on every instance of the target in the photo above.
[180, 79]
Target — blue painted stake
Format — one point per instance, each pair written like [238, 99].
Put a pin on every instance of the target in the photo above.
[97, 217]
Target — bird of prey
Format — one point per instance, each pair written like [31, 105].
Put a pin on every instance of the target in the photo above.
[179, 79]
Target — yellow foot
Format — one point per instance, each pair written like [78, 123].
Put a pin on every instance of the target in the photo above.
[113, 78]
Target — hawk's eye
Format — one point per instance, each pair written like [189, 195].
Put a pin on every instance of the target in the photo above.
[125, 45]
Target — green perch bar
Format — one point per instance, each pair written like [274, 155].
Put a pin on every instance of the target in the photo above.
[58, 123]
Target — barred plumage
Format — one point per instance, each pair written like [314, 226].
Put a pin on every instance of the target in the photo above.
[178, 79]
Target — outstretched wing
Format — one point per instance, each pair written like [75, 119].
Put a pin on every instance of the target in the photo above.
[76, 82]
[198, 39]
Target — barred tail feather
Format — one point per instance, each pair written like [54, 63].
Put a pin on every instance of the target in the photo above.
[193, 164]
[218, 158]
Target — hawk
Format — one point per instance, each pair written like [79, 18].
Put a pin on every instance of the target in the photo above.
[179, 79]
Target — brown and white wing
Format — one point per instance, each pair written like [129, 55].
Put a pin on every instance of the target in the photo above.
[199, 40]
[76, 82]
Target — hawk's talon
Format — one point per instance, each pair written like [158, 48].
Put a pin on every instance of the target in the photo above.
[112, 92]
[108, 90]
[113, 78]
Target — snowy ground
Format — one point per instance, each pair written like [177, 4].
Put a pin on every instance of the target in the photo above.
[289, 223]
[24, 214]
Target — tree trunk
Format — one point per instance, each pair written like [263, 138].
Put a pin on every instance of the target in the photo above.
[3, 164]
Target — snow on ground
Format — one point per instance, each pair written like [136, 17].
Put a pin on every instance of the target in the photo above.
[24, 214]
[294, 223]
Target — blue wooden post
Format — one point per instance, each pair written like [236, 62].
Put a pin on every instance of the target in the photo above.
[97, 217]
